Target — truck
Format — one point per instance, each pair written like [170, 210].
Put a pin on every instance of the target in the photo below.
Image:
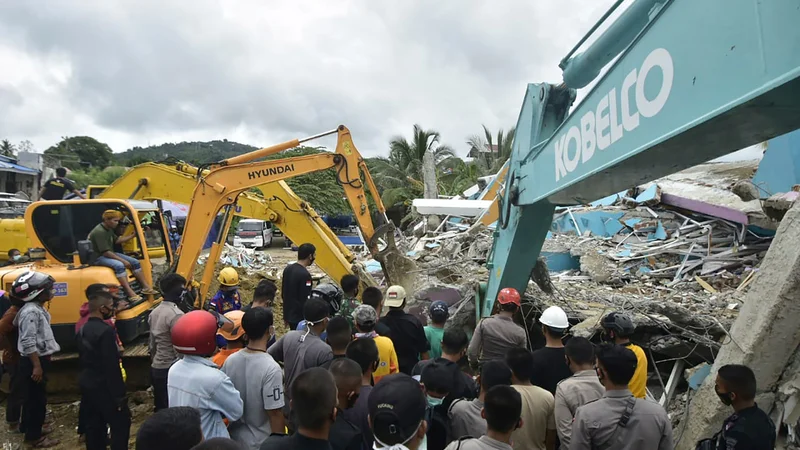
[253, 233]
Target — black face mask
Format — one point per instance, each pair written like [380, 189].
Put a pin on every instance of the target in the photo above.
[725, 397]
[108, 313]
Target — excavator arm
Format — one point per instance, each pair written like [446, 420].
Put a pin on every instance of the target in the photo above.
[279, 205]
[693, 81]
[219, 188]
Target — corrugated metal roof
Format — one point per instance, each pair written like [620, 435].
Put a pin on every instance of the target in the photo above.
[7, 166]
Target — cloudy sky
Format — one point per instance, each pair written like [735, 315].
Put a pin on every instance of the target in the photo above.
[259, 72]
[146, 72]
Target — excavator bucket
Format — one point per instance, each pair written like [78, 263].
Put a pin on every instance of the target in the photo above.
[397, 267]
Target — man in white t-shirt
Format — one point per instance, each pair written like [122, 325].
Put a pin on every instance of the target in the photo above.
[259, 380]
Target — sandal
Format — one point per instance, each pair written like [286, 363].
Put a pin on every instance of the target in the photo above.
[135, 298]
[150, 291]
[43, 442]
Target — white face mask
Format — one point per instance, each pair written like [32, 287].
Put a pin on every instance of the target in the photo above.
[422, 445]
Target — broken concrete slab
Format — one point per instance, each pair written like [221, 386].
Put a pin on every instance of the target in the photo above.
[769, 316]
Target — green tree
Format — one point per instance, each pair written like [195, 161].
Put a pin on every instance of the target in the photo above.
[400, 175]
[6, 148]
[458, 175]
[96, 176]
[81, 152]
[491, 152]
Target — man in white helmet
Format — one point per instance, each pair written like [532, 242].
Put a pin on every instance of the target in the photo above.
[549, 364]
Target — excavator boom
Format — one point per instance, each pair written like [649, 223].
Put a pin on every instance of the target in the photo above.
[279, 205]
[694, 81]
[219, 189]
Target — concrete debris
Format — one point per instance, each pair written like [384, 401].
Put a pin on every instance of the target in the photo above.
[679, 255]
[246, 258]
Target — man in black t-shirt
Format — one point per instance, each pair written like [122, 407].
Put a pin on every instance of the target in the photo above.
[55, 188]
[407, 332]
[296, 285]
[549, 362]
[749, 428]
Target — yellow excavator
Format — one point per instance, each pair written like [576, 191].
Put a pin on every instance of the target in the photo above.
[279, 205]
[56, 230]
[220, 186]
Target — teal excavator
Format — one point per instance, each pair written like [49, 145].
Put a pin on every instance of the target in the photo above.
[688, 81]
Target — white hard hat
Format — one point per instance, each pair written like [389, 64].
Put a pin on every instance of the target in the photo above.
[554, 317]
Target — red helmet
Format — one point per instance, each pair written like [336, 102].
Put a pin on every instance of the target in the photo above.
[508, 295]
[195, 333]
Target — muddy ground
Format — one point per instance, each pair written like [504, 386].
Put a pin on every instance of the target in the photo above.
[63, 399]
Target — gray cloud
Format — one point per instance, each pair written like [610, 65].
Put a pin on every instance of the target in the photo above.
[132, 73]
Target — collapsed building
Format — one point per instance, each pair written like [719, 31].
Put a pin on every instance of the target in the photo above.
[693, 257]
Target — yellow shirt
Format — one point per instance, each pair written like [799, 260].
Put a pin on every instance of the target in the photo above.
[638, 383]
[388, 358]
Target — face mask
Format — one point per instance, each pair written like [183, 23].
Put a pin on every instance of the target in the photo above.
[433, 401]
[16, 258]
[606, 337]
[725, 397]
[108, 313]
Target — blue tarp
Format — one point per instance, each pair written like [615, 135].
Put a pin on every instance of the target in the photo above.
[7, 166]
[351, 240]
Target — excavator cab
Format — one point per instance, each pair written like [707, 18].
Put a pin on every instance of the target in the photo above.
[57, 232]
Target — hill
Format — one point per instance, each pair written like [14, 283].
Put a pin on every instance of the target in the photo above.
[192, 152]
[320, 189]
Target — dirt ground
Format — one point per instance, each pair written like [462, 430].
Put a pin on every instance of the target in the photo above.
[64, 403]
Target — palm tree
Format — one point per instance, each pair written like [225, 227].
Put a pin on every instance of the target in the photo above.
[458, 175]
[400, 175]
[491, 160]
[6, 148]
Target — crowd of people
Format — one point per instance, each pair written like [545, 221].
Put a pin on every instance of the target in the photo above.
[349, 377]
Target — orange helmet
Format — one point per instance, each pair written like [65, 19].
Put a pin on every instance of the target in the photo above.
[195, 333]
[508, 295]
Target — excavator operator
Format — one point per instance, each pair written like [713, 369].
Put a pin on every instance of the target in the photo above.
[103, 238]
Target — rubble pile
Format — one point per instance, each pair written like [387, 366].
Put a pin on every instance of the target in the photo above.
[246, 258]
[680, 271]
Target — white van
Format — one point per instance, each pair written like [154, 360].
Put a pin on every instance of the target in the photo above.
[253, 233]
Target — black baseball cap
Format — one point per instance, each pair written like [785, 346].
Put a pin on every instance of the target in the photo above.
[396, 408]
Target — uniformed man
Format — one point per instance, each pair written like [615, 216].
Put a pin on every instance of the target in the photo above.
[502, 411]
[617, 328]
[56, 187]
[619, 420]
[496, 335]
[579, 389]
[749, 428]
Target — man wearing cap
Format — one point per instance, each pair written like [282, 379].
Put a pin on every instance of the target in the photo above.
[407, 332]
[495, 335]
[103, 238]
[397, 413]
[234, 339]
[549, 365]
[301, 350]
[618, 328]
[434, 332]
[365, 319]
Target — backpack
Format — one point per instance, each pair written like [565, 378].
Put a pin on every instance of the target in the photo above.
[438, 435]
